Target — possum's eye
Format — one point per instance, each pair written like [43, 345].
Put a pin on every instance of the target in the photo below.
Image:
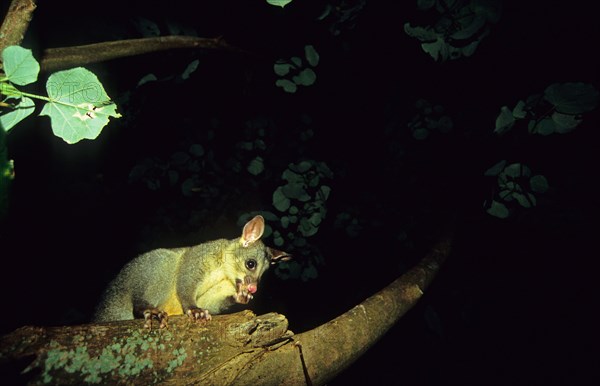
[251, 264]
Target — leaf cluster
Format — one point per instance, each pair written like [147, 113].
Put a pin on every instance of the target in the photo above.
[515, 187]
[77, 104]
[460, 26]
[295, 72]
[558, 110]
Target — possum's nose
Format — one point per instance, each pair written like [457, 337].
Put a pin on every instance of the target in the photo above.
[252, 288]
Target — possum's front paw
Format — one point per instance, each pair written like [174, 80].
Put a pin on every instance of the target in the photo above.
[155, 313]
[198, 314]
[243, 291]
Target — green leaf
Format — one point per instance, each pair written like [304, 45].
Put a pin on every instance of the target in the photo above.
[505, 195]
[287, 85]
[531, 199]
[147, 27]
[278, 241]
[420, 133]
[572, 98]
[147, 78]
[301, 167]
[297, 61]
[496, 169]
[324, 191]
[498, 209]
[324, 170]
[504, 121]
[189, 185]
[437, 49]
[307, 228]
[280, 201]
[20, 66]
[246, 145]
[290, 176]
[445, 124]
[293, 210]
[309, 272]
[190, 69]
[256, 166]
[279, 3]
[285, 221]
[519, 110]
[539, 183]
[282, 69]
[306, 77]
[475, 24]
[314, 181]
[79, 107]
[565, 122]
[197, 150]
[295, 191]
[326, 12]
[315, 219]
[421, 33]
[513, 170]
[16, 115]
[312, 56]
[522, 199]
[545, 127]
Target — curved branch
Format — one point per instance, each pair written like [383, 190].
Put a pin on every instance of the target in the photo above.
[16, 22]
[238, 348]
[332, 347]
[65, 57]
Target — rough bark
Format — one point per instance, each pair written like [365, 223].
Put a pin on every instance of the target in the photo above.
[239, 348]
[16, 22]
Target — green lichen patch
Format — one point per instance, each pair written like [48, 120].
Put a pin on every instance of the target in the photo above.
[180, 356]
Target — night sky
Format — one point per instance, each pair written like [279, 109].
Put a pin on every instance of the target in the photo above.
[515, 302]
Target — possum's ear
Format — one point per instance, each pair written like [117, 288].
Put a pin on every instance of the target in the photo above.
[253, 230]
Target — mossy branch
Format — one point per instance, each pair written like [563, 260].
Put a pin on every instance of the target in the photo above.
[238, 348]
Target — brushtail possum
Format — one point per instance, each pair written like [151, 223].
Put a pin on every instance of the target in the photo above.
[199, 281]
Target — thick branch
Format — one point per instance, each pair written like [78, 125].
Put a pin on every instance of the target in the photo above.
[16, 22]
[124, 352]
[66, 57]
[334, 346]
[231, 349]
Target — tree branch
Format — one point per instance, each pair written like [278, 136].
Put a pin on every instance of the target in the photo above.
[16, 22]
[60, 58]
[238, 348]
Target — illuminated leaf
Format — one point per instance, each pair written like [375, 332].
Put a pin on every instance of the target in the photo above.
[279, 3]
[21, 111]
[79, 107]
[20, 66]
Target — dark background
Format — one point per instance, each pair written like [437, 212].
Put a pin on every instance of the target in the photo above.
[514, 304]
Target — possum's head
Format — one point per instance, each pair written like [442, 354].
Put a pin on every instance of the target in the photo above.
[251, 259]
